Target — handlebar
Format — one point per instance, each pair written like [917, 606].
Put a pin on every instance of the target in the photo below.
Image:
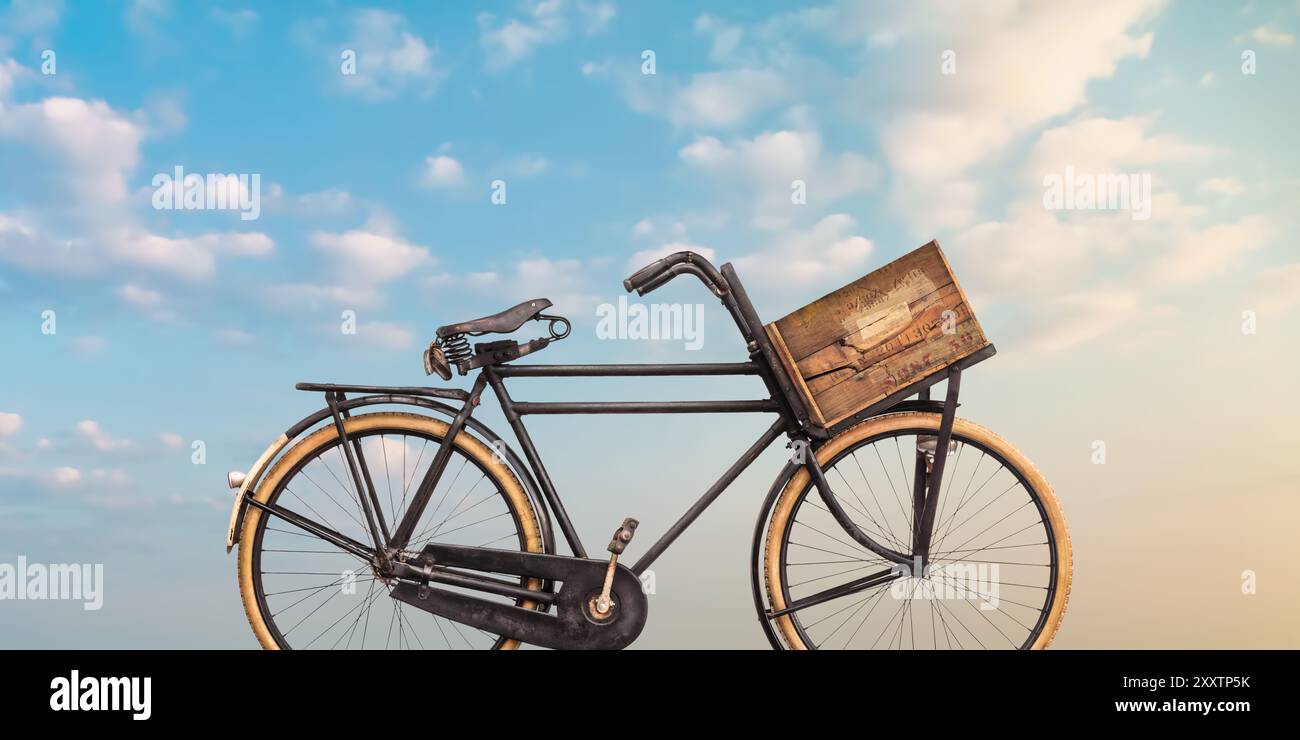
[655, 274]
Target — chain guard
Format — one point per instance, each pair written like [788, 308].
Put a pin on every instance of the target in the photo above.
[568, 628]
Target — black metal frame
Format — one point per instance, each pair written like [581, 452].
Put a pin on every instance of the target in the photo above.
[792, 421]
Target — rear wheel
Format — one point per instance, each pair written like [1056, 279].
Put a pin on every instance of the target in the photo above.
[999, 545]
[300, 591]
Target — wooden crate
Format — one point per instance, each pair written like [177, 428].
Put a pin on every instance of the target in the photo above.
[894, 327]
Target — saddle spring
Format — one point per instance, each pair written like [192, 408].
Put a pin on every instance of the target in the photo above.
[456, 348]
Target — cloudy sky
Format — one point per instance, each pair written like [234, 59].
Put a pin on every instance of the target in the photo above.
[133, 334]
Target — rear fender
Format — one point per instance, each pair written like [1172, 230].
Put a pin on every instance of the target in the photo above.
[492, 439]
[250, 480]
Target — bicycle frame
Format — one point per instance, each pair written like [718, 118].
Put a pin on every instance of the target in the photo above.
[388, 543]
[494, 377]
[514, 411]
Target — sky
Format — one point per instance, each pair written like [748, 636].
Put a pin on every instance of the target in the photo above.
[136, 338]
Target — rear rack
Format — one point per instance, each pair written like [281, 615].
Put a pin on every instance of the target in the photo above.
[392, 390]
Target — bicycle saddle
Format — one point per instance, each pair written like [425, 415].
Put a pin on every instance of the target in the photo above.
[498, 323]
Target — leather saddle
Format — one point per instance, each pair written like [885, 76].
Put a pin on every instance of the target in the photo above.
[504, 322]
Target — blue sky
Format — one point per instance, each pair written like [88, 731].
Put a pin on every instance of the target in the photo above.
[183, 326]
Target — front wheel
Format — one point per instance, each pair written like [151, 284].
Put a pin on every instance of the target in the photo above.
[1000, 568]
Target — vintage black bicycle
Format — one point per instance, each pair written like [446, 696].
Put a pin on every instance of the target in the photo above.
[897, 526]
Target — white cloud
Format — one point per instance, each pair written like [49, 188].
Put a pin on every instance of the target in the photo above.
[527, 166]
[1221, 186]
[172, 440]
[78, 219]
[329, 203]
[706, 151]
[143, 16]
[727, 98]
[10, 423]
[512, 40]
[10, 71]
[646, 256]
[391, 60]
[369, 257]
[596, 15]
[139, 297]
[725, 36]
[90, 430]
[1271, 36]
[66, 476]
[1207, 253]
[93, 146]
[767, 166]
[385, 335]
[34, 18]
[315, 296]
[89, 346]
[186, 257]
[563, 281]
[1277, 289]
[235, 337]
[803, 261]
[110, 477]
[442, 171]
[1078, 318]
[995, 96]
[1107, 145]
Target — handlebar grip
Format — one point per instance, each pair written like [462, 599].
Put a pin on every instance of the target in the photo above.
[662, 270]
[644, 275]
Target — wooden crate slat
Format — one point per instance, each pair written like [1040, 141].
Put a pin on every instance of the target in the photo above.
[864, 301]
[912, 324]
[899, 370]
[877, 335]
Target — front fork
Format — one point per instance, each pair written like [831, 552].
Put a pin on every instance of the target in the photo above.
[928, 477]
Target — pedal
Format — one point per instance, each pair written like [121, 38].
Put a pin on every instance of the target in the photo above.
[603, 605]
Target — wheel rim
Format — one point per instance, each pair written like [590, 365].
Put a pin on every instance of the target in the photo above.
[969, 528]
[353, 611]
